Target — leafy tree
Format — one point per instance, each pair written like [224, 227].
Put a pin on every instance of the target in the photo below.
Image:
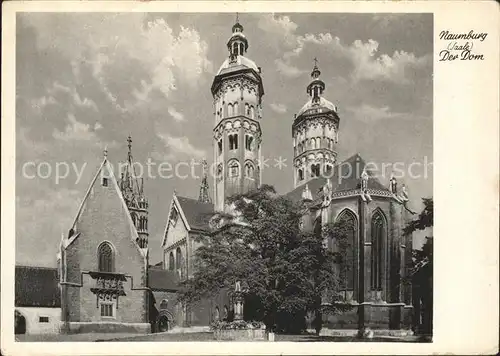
[287, 270]
[422, 273]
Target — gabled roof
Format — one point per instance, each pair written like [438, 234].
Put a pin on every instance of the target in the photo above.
[195, 215]
[198, 214]
[346, 177]
[37, 287]
[162, 280]
[114, 184]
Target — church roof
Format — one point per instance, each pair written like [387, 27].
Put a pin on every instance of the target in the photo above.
[323, 104]
[240, 63]
[198, 214]
[105, 165]
[161, 279]
[37, 287]
[346, 177]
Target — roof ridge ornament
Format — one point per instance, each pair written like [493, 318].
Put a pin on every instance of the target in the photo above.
[364, 186]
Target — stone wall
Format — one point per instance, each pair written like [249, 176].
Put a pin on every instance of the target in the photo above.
[41, 320]
[104, 218]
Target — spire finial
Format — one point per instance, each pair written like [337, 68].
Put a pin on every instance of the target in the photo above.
[315, 72]
[129, 141]
[204, 194]
[106, 151]
[237, 18]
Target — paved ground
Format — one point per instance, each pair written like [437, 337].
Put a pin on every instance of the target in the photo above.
[199, 336]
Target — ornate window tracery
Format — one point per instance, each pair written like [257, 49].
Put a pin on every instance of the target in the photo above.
[105, 257]
[349, 221]
[234, 168]
[378, 232]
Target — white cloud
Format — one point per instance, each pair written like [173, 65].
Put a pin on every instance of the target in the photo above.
[97, 126]
[75, 96]
[75, 131]
[177, 116]
[40, 103]
[46, 210]
[279, 108]
[280, 26]
[367, 62]
[369, 113]
[287, 69]
[103, 40]
[178, 147]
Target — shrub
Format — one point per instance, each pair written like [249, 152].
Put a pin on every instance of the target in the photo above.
[237, 325]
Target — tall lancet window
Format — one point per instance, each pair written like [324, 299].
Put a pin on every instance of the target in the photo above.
[179, 262]
[378, 237]
[171, 261]
[105, 257]
[345, 246]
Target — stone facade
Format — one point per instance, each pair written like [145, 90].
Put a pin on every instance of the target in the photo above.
[103, 269]
[237, 92]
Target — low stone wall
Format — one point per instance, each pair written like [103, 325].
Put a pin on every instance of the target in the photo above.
[187, 330]
[354, 332]
[240, 335]
[105, 327]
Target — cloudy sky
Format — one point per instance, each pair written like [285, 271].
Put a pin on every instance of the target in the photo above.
[87, 81]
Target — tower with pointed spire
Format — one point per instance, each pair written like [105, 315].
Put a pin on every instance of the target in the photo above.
[315, 133]
[204, 196]
[132, 188]
[237, 92]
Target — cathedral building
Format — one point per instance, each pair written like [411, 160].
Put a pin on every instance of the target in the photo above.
[379, 254]
[104, 277]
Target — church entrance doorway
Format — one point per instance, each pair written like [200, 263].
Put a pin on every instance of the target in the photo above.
[163, 324]
[19, 323]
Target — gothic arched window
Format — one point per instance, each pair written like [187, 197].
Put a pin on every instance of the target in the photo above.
[234, 168]
[105, 257]
[236, 108]
[171, 261]
[248, 142]
[301, 175]
[252, 112]
[164, 304]
[216, 313]
[348, 221]
[233, 141]
[241, 48]
[249, 170]
[219, 171]
[247, 109]
[378, 237]
[315, 170]
[229, 110]
[178, 261]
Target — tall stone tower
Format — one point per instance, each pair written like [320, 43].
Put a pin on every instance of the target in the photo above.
[315, 134]
[132, 188]
[237, 91]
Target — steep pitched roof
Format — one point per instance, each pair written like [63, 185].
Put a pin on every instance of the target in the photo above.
[37, 287]
[198, 214]
[346, 176]
[160, 279]
[114, 183]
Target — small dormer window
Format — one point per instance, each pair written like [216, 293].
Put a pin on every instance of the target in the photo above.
[104, 181]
